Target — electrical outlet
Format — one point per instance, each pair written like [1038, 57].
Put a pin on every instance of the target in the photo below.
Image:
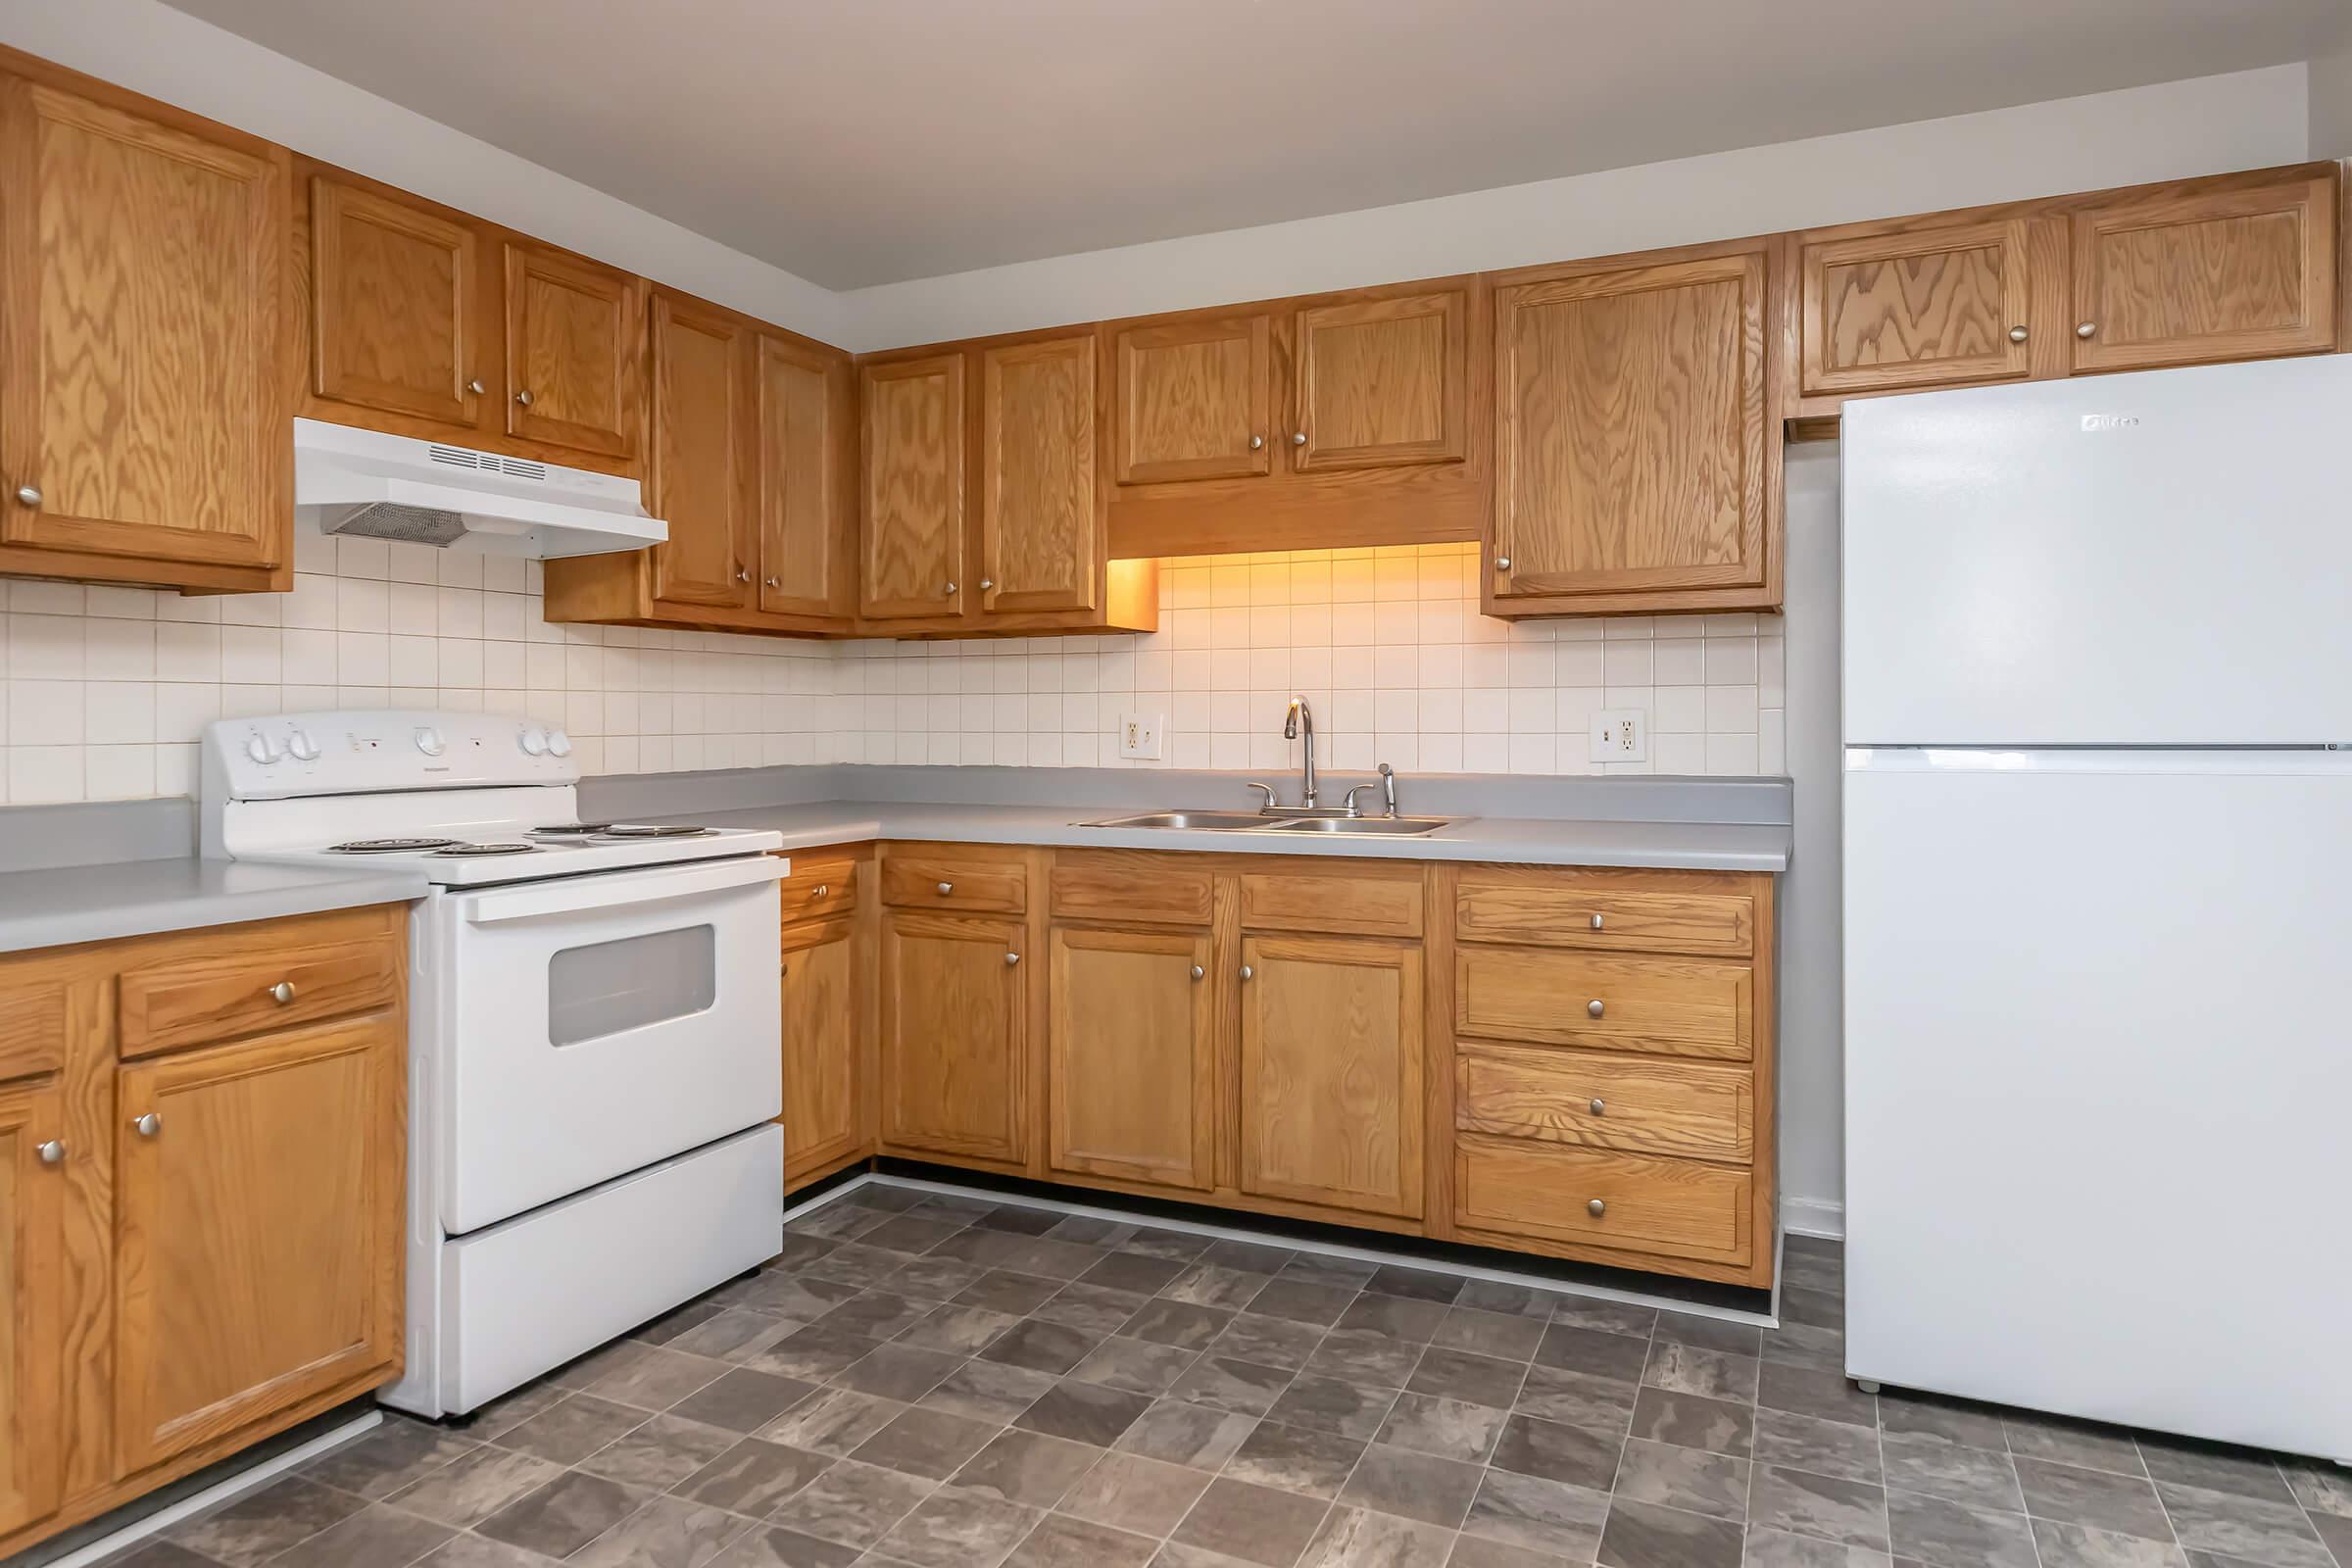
[1139, 735]
[1621, 735]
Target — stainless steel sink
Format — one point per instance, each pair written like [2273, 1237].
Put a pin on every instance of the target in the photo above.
[1211, 822]
[1362, 824]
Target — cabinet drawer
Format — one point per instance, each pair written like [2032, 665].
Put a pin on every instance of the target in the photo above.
[1690, 1110]
[819, 885]
[1130, 885]
[945, 880]
[1671, 1206]
[1563, 914]
[1672, 1007]
[232, 986]
[1304, 901]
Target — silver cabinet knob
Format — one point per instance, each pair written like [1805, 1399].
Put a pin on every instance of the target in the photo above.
[773, 582]
[1298, 438]
[2088, 329]
[1256, 441]
[945, 888]
[1597, 1208]
[1596, 922]
[1600, 1108]
[282, 992]
[1011, 959]
[2017, 334]
[821, 890]
[1198, 973]
[523, 397]
[1593, 1008]
[742, 576]
[986, 583]
[1502, 562]
[1249, 973]
[476, 387]
[950, 590]
[52, 1153]
[29, 496]
[149, 1125]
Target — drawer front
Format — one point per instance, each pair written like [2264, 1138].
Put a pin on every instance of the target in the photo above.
[235, 987]
[1642, 1105]
[1600, 915]
[1303, 901]
[926, 880]
[1669, 1006]
[1130, 885]
[1675, 1207]
[818, 886]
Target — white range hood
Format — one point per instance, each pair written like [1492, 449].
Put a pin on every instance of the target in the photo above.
[352, 482]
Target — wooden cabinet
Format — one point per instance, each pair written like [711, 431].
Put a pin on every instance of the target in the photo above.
[1193, 399]
[32, 1287]
[400, 322]
[1132, 1056]
[823, 1121]
[2236, 270]
[1945, 305]
[259, 1207]
[698, 466]
[575, 350]
[1331, 1064]
[804, 457]
[1042, 531]
[144, 374]
[913, 481]
[1381, 382]
[1636, 443]
[955, 1037]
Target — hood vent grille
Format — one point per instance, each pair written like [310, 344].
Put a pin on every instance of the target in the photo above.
[386, 519]
[487, 463]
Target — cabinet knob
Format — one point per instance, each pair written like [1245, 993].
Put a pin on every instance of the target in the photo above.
[1256, 441]
[1600, 1108]
[986, 583]
[282, 992]
[52, 1153]
[950, 590]
[821, 891]
[1502, 562]
[1198, 973]
[1593, 1008]
[523, 397]
[1298, 438]
[1596, 922]
[741, 575]
[29, 496]
[1011, 959]
[1597, 1208]
[2017, 334]
[2088, 329]
[945, 888]
[1249, 973]
[476, 387]
[149, 1125]
[772, 582]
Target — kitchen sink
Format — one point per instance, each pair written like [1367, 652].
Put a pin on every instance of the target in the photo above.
[1361, 824]
[1213, 821]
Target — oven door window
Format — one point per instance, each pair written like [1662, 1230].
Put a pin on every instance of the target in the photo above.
[607, 988]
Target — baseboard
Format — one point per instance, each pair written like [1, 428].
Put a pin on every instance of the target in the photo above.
[1824, 1217]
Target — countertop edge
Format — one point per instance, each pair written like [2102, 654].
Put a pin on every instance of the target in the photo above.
[147, 898]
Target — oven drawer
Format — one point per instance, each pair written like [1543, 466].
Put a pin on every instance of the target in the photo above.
[975, 880]
[1636, 1203]
[1605, 1001]
[240, 979]
[1644, 1105]
[1566, 909]
[819, 885]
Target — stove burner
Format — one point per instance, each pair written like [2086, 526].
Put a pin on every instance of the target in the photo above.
[463, 850]
[388, 845]
[642, 830]
[570, 830]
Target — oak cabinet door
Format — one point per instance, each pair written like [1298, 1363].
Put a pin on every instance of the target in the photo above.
[2233, 275]
[32, 1285]
[258, 1229]
[821, 1120]
[395, 307]
[913, 487]
[1131, 1071]
[954, 1031]
[144, 380]
[697, 468]
[575, 352]
[1381, 383]
[800, 413]
[1192, 399]
[1042, 536]
[1331, 1072]
[1631, 430]
[1919, 308]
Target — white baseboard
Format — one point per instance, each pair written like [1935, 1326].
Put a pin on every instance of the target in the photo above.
[1824, 1217]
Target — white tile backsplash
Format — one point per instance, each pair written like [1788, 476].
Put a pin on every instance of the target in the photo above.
[103, 691]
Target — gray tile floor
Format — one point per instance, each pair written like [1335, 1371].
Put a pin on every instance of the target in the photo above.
[939, 1382]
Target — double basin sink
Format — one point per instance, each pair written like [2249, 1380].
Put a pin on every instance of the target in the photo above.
[1277, 822]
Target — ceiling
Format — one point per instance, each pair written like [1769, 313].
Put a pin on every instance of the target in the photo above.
[858, 142]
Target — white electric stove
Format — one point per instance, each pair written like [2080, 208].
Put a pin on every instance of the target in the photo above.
[595, 1065]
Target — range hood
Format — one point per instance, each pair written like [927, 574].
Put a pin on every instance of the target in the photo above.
[352, 482]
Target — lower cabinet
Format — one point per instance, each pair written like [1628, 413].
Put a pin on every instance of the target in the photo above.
[1330, 1065]
[823, 1124]
[1131, 1073]
[258, 1224]
[955, 1032]
[32, 1305]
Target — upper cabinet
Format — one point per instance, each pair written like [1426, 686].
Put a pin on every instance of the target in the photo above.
[1907, 304]
[1194, 399]
[145, 344]
[804, 455]
[699, 472]
[1041, 510]
[1381, 382]
[913, 487]
[575, 350]
[1637, 453]
[400, 321]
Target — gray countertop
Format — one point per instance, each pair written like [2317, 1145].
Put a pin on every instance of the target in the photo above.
[55, 905]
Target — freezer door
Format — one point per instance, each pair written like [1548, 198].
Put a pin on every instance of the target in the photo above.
[2157, 559]
[2097, 1060]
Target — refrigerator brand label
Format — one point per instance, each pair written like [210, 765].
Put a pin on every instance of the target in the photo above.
[2109, 421]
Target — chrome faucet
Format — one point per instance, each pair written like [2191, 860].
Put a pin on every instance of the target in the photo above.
[1300, 716]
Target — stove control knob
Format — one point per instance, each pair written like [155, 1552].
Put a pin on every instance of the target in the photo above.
[533, 743]
[302, 748]
[559, 743]
[263, 749]
[429, 742]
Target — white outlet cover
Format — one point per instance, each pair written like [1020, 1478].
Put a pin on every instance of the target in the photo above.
[1140, 735]
[1621, 735]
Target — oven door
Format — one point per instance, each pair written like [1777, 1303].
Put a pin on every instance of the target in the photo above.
[591, 1025]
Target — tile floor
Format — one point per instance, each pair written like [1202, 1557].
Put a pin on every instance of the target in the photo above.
[939, 1382]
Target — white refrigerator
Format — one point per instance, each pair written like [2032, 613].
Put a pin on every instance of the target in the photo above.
[2097, 649]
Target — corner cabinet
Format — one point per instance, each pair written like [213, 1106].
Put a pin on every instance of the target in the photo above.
[144, 347]
[699, 473]
[1638, 435]
[912, 487]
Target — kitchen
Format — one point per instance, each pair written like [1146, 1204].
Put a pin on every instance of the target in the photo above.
[965, 577]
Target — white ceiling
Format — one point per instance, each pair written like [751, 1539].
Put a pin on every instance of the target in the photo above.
[865, 141]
